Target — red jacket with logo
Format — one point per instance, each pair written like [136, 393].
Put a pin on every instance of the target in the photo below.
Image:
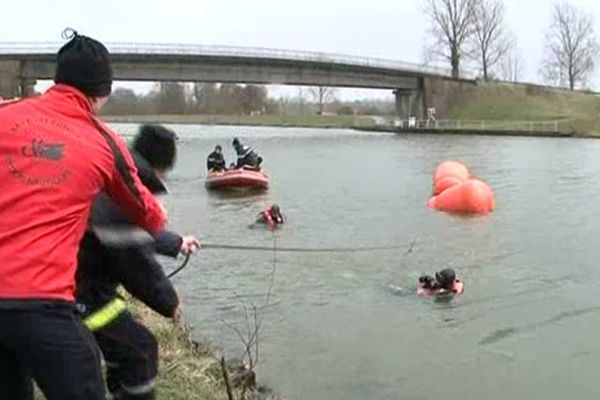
[55, 157]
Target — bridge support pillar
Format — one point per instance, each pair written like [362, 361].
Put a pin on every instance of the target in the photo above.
[409, 103]
[27, 87]
[10, 83]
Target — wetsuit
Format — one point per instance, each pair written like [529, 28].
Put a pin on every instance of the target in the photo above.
[55, 156]
[215, 162]
[267, 217]
[114, 252]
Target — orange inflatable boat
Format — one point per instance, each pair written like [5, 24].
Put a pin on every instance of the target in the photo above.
[470, 196]
[236, 179]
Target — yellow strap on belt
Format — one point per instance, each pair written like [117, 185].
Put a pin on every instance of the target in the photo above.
[105, 315]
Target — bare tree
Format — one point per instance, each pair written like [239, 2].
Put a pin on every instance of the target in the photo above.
[204, 95]
[123, 102]
[254, 317]
[451, 28]
[254, 98]
[301, 100]
[322, 95]
[511, 66]
[490, 41]
[171, 97]
[571, 46]
[283, 104]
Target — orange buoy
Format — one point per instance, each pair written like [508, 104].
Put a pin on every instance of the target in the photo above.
[446, 182]
[448, 174]
[451, 168]
[470, 196]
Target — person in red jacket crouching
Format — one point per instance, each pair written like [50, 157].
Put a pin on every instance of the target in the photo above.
[55, 157]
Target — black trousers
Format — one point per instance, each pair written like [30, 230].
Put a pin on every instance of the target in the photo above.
[131, 355]
[50, 344]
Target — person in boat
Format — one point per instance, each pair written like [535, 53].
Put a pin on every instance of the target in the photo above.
[246, 157]
[215, 160]
[444, 282]
[114, 253]
[271, 216]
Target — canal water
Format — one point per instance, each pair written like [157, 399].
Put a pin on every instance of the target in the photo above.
[347, 325]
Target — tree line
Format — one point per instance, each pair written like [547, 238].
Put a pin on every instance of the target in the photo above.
[199, 98]
[474, 32]
[234, 99]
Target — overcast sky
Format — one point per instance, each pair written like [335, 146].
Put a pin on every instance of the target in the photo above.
[392, 29]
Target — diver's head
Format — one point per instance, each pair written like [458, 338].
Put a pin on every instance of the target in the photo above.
[236, 142]
[276, 213]
[446, 277]
[218, 149]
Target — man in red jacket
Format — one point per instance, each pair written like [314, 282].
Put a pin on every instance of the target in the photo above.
[55, 157]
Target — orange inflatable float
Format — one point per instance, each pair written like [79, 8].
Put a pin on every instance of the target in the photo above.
[455, 191]
[451, 168]
[448, 174]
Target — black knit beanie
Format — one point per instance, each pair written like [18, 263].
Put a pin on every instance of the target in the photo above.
[157, 145]
[84, 63]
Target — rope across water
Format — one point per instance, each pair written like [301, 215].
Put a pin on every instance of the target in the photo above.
[307, 249]
[215, 246]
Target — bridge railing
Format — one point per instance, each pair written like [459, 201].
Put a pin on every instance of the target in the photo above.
[25, 48]
[481, 125]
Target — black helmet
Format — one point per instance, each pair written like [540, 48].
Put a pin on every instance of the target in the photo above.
[236, 141]
[218, 147]
[446, 276]
[275, 209]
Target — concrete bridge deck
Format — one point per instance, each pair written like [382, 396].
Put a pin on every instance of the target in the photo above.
[22, 64]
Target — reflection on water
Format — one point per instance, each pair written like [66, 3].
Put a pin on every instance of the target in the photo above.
[346, 325]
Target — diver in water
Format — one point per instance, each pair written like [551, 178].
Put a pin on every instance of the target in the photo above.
[444, 282]
[271, 216]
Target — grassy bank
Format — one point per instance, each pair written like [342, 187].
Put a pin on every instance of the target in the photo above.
[307, 121]
[576, 112]
[188, 370]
